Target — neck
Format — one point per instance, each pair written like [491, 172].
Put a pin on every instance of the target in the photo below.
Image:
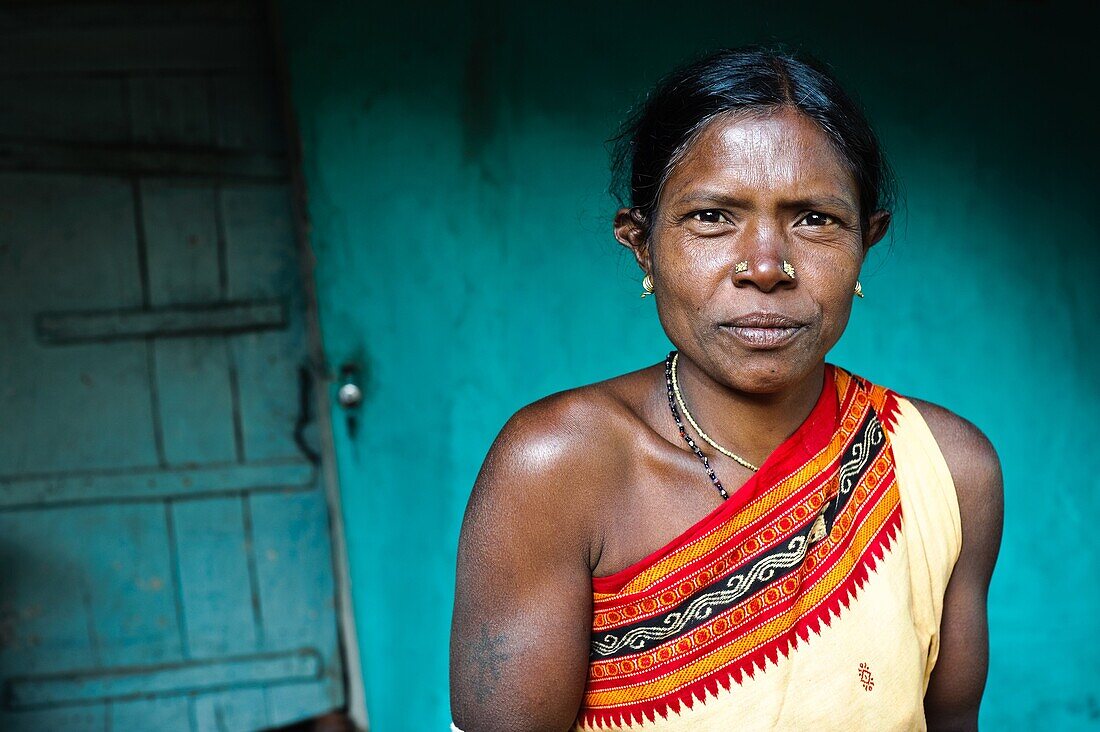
[750, 425]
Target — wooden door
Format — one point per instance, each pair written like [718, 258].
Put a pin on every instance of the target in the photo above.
[165, 551]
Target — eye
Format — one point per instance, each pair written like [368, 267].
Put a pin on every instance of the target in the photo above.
[813, 218]
[709, 216]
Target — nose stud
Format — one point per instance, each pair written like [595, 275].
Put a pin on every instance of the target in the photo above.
[741, 266]
[788, 269]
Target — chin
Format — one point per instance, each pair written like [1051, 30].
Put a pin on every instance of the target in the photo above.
[770, 373]
[761, 381]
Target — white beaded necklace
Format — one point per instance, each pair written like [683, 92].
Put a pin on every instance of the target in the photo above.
[695, 425]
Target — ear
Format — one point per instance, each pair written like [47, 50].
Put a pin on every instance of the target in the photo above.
[631, 232]
[877, 225]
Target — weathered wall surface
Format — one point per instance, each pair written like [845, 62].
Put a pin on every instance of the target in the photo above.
[456, 181]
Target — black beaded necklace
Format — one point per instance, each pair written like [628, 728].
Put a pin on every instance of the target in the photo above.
[683, 432]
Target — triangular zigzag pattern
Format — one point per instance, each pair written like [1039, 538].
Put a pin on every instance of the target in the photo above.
[759, 583]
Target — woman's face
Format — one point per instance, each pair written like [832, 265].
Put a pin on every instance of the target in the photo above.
[758, 189]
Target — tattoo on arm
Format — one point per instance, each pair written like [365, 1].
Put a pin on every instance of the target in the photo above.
[488, 658]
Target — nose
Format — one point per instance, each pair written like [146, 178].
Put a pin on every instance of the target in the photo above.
[762, 263]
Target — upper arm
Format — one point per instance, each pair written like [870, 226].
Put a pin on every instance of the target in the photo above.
[523, 597]
[958, 679]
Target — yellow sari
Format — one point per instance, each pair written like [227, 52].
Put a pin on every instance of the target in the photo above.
[810, 599]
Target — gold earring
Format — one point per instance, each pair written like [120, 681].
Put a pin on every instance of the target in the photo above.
[788, 269]
[741, 266]
[647, 285]
[859, 289]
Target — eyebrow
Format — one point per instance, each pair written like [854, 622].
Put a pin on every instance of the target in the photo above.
[725, 199]
[824, 201]
[718, 197]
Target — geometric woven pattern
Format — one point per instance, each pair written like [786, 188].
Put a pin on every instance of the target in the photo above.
[755, 578]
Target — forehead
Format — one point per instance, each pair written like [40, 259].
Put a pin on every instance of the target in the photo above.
[781, 153]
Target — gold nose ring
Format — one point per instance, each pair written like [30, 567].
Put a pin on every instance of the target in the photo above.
[788, 269]
[741, 266]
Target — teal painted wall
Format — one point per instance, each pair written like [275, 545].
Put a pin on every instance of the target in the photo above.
[456, 180]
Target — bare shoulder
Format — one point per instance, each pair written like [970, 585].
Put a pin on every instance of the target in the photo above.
[970, 455]
[561, 429]
[976, 471]
[554, 456]
[565, 432]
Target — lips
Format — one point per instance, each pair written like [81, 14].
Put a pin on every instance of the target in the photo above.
[763, 331]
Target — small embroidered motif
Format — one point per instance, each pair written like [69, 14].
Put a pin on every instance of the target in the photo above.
[817, 531]
[865, 677]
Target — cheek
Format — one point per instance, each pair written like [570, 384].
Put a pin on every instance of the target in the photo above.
[832, 263]
[834, 300]
[829, 280]
[689, 277]
[837, 312]
[691, 268]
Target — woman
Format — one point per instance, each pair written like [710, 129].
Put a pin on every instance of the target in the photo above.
[744, 536]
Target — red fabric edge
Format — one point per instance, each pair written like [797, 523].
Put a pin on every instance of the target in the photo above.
[814, 433]
[768, 653]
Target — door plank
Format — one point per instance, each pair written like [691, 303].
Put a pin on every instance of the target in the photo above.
[85, 685]
[203, 165]
[158, 713]
[215, 578]
[171, 110]
[123, 555]
[181, 233]
[36, 615]
[293, 563]
[261, 262]
[100, 408]
[293, 702]
[113, 325]
[196, 400]
[109, 597]
[43, 109]
[294, 560]
[149, 485]
[245, 113]
[85, 718]
[243, 709]
[68, 242]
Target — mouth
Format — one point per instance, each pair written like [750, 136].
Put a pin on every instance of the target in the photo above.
[763, 331]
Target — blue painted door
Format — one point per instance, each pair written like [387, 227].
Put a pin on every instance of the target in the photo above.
[165, 550]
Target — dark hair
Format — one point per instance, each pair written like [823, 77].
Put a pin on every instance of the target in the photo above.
[749, 79]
